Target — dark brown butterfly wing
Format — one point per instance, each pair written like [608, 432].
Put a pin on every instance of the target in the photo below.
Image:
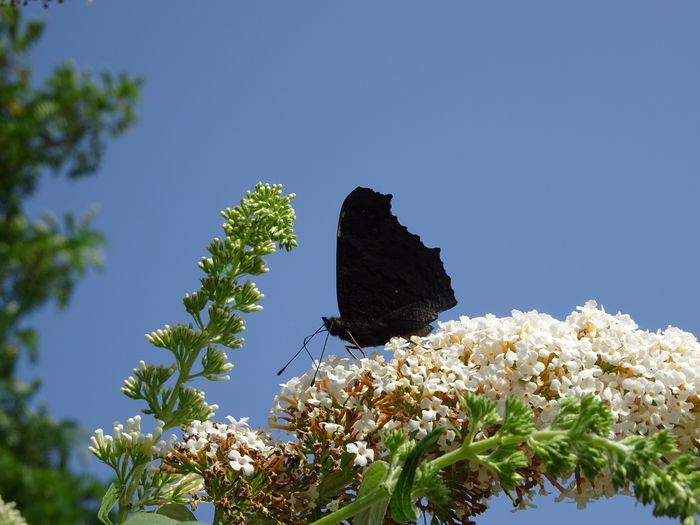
[388, 282]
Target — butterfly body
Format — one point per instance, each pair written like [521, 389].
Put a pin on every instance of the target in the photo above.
[388, 282]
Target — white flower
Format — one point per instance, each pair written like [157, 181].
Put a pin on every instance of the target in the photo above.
[331, 428]
[240, 462]
[432, 407]
[163, 447]
[650, 381]
[446, 440]
[194, 445]
[366, 424]
[528, 362]
[362, 453]
[420, 427]
[414, 370]
[103, 445]
[9, 515]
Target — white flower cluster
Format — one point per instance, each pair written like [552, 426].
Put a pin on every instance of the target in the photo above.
[131, 438]
[206, 437]
[649, 380]
[9, 515]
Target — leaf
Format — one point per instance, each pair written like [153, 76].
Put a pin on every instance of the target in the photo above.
[150, 518]
[481, 411]
[29, 338]
[505, 462]
[402, 508]
[332, 484]
[374, 476]
[518, 418]
[176, 512]
[108, 501]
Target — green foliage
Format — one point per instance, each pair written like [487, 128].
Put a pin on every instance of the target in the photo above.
[108, 500]
[59, 126]
[150, 518]
[18, 3]
[582, 419]
[405, 490]
[254, 229]
[395, 485]
[372, 481]
[334, 483]
[576, 440]
[674, 490]
[39, 261]
[480, 411]
[176, 512]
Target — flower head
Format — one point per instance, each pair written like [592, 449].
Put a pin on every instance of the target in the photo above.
[340, 413]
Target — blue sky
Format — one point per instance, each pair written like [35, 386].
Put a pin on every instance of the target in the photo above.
[548, 148]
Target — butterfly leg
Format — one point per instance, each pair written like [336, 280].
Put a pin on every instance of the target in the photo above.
[349, 349]
[355, 345]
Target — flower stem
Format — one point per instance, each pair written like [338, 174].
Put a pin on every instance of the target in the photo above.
[353, 508]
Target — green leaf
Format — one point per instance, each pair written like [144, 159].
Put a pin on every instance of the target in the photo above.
[108, 501]
[481, 412]
[595, 417]
[176, 512]
[431, 485]
[505, 461]
[557, 454]
[402, 508]
[30, 339]
[592, 460]
[374, 476]
[332, 484]
[150, 518]
[518, 418]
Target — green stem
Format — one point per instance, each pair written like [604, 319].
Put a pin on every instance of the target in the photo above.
[613, 446]
[353, 508]
[181, 380]
[469, 451]
[125, 500]
[472, 450]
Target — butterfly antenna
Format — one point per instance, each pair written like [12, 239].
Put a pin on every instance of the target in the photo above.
[320, 359]
[303, 347]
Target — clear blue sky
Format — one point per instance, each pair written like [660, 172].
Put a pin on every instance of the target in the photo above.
[550, 149]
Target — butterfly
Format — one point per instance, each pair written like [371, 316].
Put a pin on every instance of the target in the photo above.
[388, 282]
